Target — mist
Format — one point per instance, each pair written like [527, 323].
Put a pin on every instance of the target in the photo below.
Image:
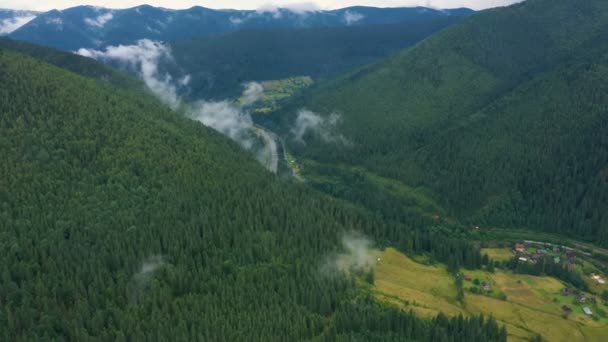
[231, 118]
[140, 282]
[143, 58]
[324, 128]
[9, 25]
[357, 256]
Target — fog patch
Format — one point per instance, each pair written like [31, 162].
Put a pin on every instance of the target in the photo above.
[253, 93]
[225, 117]
[231, 118]
[356, 258]
[100, 21]
[144, 58]
[352, 17]
[324, 128]
[140, 282]
[10, 25]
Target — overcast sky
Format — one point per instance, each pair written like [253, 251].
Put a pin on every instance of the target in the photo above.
[44, 5]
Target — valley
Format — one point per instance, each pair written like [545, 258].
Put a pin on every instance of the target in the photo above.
[305, 173]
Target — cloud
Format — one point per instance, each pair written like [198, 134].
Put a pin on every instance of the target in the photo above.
[352, 17]
[227, 118]
[236, 20]
[300, 8]
[357, 256]
[100, 21]
[308, 122]
[144, 58]
[139, 284]
[9, 25]
[230, 118]
[253, 93]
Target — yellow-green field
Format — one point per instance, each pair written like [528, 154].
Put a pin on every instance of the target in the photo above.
[533, 304]
[498, 254]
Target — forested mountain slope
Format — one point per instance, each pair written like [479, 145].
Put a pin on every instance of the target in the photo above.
[74, 63]
[502, 118]
[95, 27]
[121, 220]
[220, 64]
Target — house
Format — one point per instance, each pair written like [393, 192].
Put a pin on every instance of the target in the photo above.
[520, 247]
[567, 291]
[557, 260]
[467, 278]
[567, 308]
[581, 298]
[542, 251]
[587, 311]
[486, 286]
[523, 259]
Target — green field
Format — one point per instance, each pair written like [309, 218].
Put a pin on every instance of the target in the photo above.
[498, 254]
[276, 91]
[533, 304]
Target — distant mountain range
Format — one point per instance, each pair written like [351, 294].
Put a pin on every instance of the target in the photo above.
[95, 27]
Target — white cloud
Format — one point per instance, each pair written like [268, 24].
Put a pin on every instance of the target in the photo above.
[144, 57]
[100, 21]
[358, 257]
[253, 93]
[308, 122]
[236, 21]
[352, 17]
[9, 25]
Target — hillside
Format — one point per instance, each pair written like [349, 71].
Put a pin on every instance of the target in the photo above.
[220, 64]
[122, 220]
[500, 119]
[96, 27]
[74, 63]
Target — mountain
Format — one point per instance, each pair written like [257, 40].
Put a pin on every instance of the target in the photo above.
[123, 220]
[94, 27]
[500, 120]
[74, 63]
[10, 20]
[220, 64]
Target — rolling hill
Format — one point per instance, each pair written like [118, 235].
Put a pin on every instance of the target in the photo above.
[122, 220]
[220, 64]
[500, 119]
[95, 27]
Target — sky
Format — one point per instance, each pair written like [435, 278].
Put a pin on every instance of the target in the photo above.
[251, 4]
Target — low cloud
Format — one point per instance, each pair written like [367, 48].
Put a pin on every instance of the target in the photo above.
[253, 93]
[227, 118]
[352, 17]
[8, 26]
[144, 58]
[140, 282]
[357, 257]
[324, 128]
[100, 21]
[231, 118]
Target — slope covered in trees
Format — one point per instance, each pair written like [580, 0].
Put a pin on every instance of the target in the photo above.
[121, 220]
[220, 64]
[74, 63]
[500, 118]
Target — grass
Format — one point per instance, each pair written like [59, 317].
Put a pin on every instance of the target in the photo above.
[533, 304]
[498, 254]
[276, 91]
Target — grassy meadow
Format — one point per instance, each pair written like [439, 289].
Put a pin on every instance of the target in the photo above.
[532, 305]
